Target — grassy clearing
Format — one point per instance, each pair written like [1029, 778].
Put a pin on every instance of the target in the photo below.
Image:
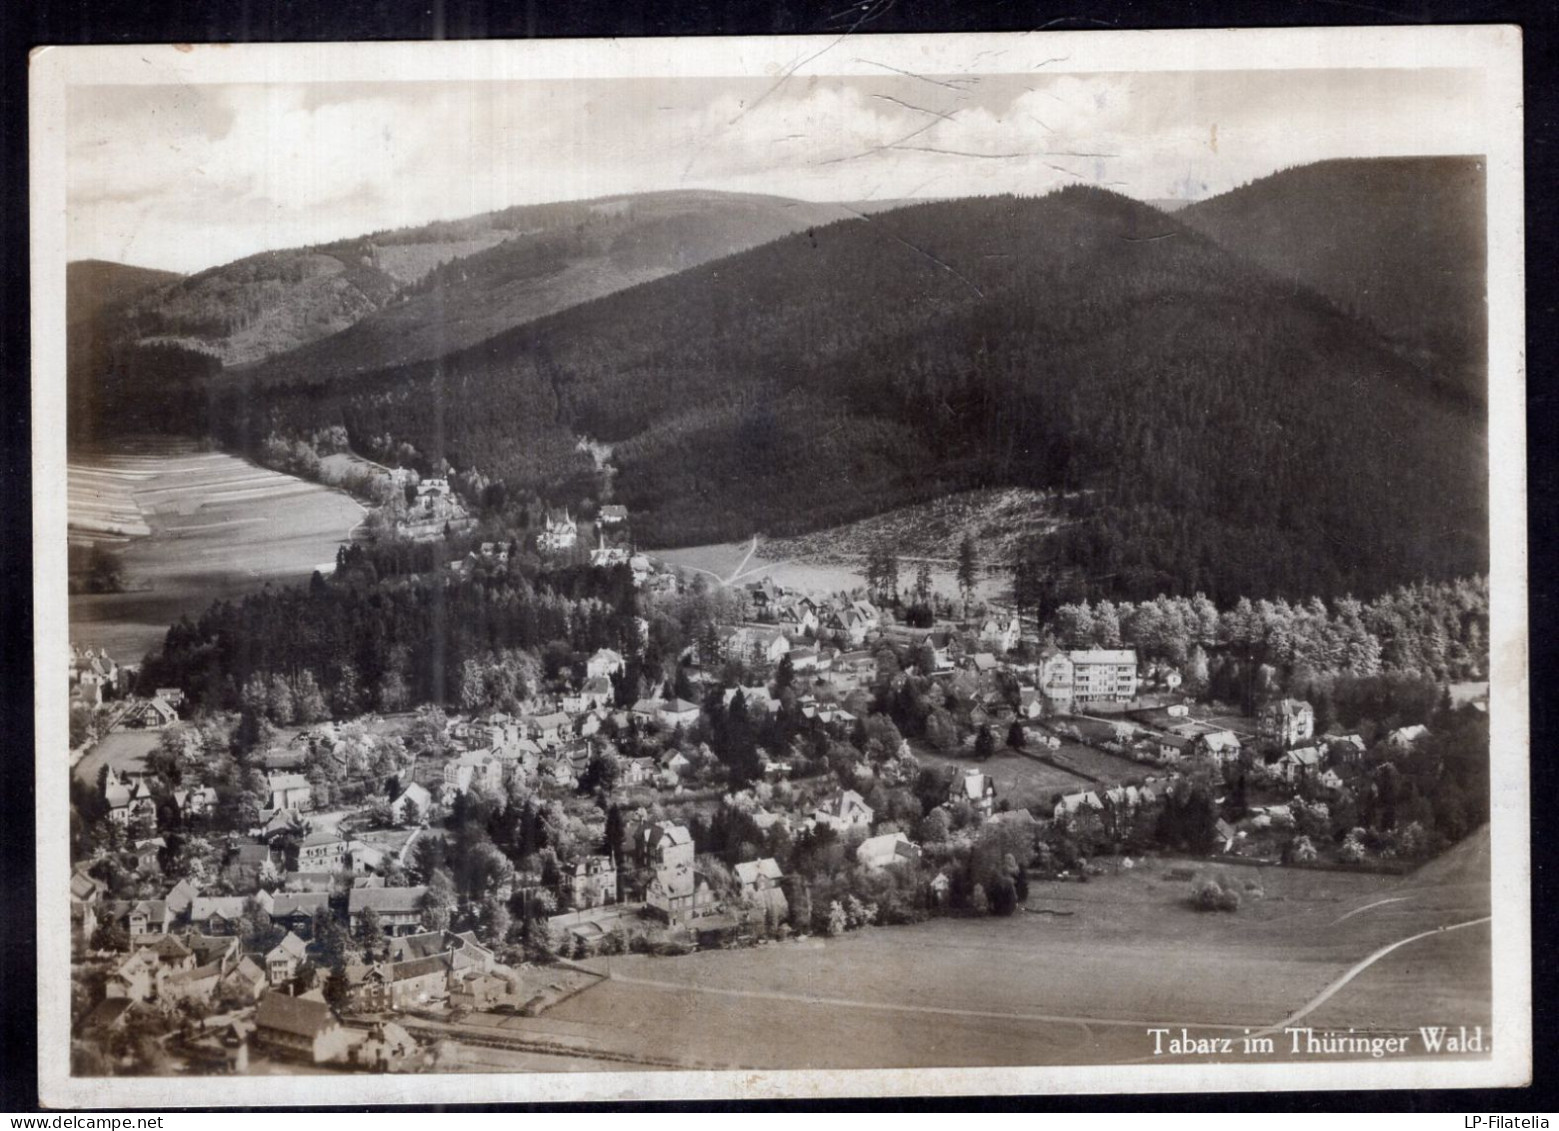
[1021, 780]
[999, 520]
[1041, 989]
[123, 750]
[807, 575]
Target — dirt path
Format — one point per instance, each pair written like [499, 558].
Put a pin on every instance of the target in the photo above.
[891, 1007]
[1358, 968]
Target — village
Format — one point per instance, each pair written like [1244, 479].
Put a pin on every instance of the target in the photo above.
[352, 890]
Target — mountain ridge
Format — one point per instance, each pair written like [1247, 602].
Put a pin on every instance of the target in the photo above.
[1077, 340]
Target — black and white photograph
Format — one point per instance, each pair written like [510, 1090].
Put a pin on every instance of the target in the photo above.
[766, 567]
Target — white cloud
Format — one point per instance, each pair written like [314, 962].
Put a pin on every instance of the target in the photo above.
[194, 176]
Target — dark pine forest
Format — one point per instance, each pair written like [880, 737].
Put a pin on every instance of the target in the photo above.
[1225, 428]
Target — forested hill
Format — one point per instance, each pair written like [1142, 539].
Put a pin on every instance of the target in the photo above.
[386, 298]
[1234, 434]
[93, 286]
[552, 257]
[1397, 242]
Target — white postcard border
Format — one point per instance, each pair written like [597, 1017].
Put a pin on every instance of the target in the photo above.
[1496, 50]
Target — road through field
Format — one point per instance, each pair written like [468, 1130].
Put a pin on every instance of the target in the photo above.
[1358, 968]
[893, 1007]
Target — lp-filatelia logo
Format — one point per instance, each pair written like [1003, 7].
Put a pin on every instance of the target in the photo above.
[1504, 1122]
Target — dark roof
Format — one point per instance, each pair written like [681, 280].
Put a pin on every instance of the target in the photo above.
[299, 1016]
[106, 1013]
[408, 947]
[385, 899]
[417, 967]
[308, 902]
[208, 947]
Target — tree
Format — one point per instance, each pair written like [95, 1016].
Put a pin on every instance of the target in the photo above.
[1017, 738]
[495, 920]
[984, 743]
[838, 922]
[280, 706]
[968, 570]
[337, 990]
[309, 701]
[937, 826]
[800, 899]
[437, 904]
[370, 933]
[784, 673]
[979, 903]
[923, 583]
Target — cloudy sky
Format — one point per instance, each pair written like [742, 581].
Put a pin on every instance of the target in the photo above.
[187, 177]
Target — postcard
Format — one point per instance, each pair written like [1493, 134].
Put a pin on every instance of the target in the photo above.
[855, 565]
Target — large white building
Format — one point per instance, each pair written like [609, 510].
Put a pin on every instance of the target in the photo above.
[1089, 676]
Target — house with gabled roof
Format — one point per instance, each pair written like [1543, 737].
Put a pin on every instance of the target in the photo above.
[1344, 747]
[844, 811]
[559, 531]
[591, 881]
[138, 977]
[288, 791]
[1404, 738]
[663, 845]
[321, 851]
[300, 1027]
[245, 978]
[1295, 765]
[760, 882]
[1220, 745]
[603, 664]
[220, 915]
[296, 910]
[399, 909]
[208, 949]
[85, 889]
[678, 712]
[197, 984]
[413, 802]
[887, 850]
[283, 960]
[1000, 634]
[195, 803]
[148, 714]
[1286, 721]
[975, 787]
[1071, 804]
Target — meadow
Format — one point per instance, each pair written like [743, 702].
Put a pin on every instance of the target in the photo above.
[1068, 989]
[1024, 782]
[731, 562]
[190, 527]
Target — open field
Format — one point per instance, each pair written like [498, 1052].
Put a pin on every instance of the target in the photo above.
[732, 563]
[1021, 780]
[1000, 521]
[123, 750]
[191, 527]
[1042, 989]
[1110, 769]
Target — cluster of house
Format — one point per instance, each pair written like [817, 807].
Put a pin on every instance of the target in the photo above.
[96, 678]
[94, 674]
[434, 509]
[185, 948]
